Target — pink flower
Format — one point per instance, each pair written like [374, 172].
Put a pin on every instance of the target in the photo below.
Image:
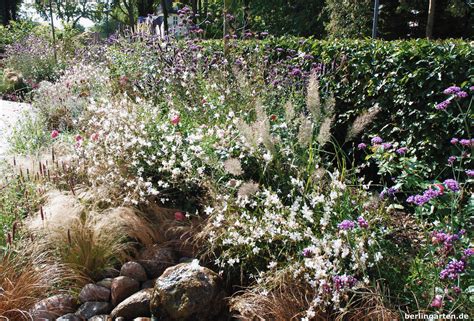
[437, 301]
[78, 138]
[95, 137]
[54, 134]
[175, 120]
[179, 216]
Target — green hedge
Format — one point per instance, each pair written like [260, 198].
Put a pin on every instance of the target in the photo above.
[406, 79]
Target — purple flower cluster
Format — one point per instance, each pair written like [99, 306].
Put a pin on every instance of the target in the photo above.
[467, 142]
[386, 145]
[401, 151]
[447, 239]
[344, 281]
[346, 225]
[362, 222]
[443, 105]
[470, 172]
[362, 146]
[376, 140]
[388, 192]
[452, 90]
[427, 196]
[350, 225]
[452, 184]
[454, 140]
[453, 269]
[451, 160]
[307, 252]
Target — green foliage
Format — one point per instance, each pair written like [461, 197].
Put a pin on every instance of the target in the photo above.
[15, 31]
[349, 19]
[405, 78]
[18, 198]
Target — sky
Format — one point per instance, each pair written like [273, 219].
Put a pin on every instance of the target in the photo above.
[28, 11]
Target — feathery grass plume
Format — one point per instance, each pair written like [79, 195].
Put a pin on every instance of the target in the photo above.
[313, 100]
[329, 105]
[89, 246]
[289, 111]
[233, 166]
[305, 132]
[247, 132]
[361, 122]
[135, 225]
[324, 134]
[368, 305]
[25, 279]
[248, 189]
[286, 301]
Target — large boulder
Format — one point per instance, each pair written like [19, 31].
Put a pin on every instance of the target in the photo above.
[54, 307]
[94, 292]
[133, 270]
[90, 309]
[188, 291]
[138, 305]
[156, 259]
[70, 317]
[122, 287]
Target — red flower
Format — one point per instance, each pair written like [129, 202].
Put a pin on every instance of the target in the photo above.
[179, 216]
[440, 188]
[175, 120]
[54, 134]
[273, 117]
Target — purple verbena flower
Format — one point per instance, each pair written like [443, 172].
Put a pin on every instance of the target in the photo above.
[451, 160]
[362, 146]
[362, 222]
[451, 90]
[461, 94]
[344, 281]
[452, 184]
[307, 252]
[402, 151]
[454, 140]
[443, 105]
[453, 269]
[470, 172]
[346, 225]
[465, 142]
[386, 145]
[471, 88]
[376, 140]
[469, 252]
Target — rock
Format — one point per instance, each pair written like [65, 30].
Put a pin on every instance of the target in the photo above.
[148, 284]
[133, 270]
[123, 287]
[188, 291]
[156, 259]
[106, 283]
[94, 292]
[70, 317]
[90, 309]
[54, 307]
[109, 273]
[138, 305]
[102, 317]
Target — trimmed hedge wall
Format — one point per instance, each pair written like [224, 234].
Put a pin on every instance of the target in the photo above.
[406, 79]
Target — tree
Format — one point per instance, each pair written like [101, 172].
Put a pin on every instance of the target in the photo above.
[349, 19]
[69, 11]
[9, 10]
[431, 17]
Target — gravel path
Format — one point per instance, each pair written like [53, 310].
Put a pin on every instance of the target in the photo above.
[10, 113]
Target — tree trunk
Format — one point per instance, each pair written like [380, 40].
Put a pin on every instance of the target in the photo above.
[431, 17]
[164, 7]
[247, 15]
